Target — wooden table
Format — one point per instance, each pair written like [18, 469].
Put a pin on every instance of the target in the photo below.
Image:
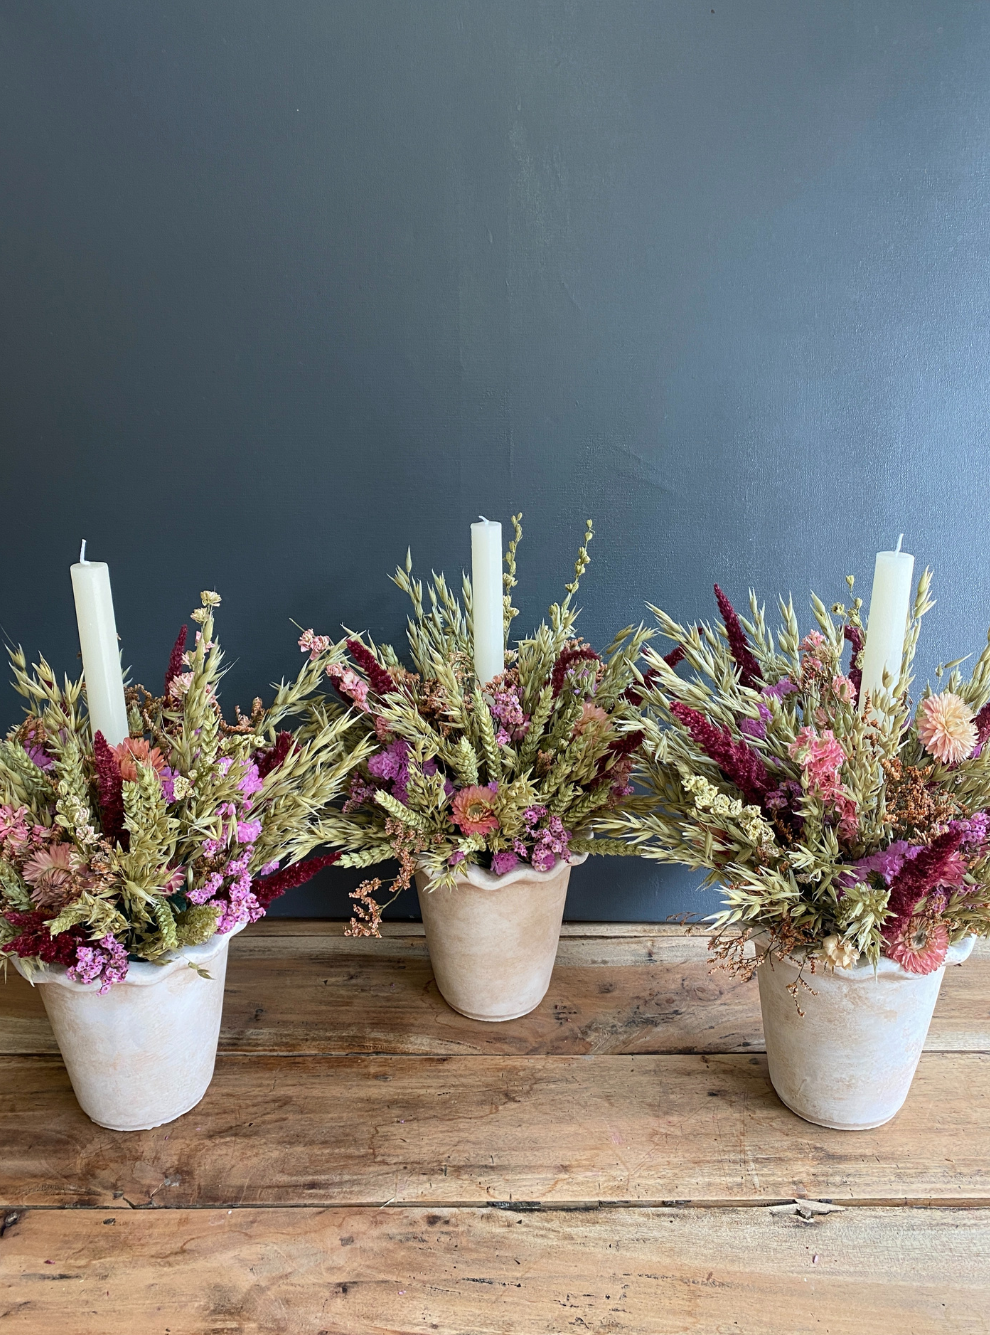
[367, 1160]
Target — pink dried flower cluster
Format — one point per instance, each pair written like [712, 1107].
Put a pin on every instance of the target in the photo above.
[105, 962]
[821, 758]
[505, 703]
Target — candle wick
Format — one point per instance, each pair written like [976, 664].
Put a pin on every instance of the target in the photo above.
[82, 554]
[483, 519]
[899, 541]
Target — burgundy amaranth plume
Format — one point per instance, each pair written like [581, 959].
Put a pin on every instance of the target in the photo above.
[175, 664]
[381, 682]
[855, 637]
[111, 791]
[737, 761]
[34, 938]
[622, 746]
[275, 755]
[567, 659]
[749, 669]
[982, 722]
[922, 874]
[267, 888]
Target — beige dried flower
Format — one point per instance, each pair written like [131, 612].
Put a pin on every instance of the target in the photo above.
[839, 952]
[946, 728]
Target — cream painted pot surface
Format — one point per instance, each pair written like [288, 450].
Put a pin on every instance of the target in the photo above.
[848, 1061]
[143, 1053]
[493, 939]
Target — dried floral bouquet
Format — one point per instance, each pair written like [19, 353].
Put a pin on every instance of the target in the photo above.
[501, 773]
[110, 854]
[839, 832]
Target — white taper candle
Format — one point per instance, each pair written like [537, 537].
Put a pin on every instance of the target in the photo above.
[887, 624]
[100, 653]
[486, 586]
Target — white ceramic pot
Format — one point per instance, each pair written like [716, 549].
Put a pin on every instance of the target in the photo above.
[848, 1061]
[493, 939]
[143, 1053]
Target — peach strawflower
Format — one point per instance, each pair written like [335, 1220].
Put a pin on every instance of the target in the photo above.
[946, 728]
[474, 810]
[134, 749]
[593, 719]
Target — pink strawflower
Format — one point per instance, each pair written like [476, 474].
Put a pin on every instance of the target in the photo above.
[474, 811]
[946, 728]
[179, 686]
[917, 945]
[134, 751]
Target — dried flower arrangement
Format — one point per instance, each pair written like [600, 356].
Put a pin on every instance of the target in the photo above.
[116, 853]
[514, 770]
[837, 830]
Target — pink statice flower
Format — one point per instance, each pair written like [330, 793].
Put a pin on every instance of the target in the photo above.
[506, 708]
[252, 781]
[503, 861]
[975, 830]
[756, 727]
[207, 890]
[780, 688]
[888, 863]
[41, 758]
[456, 858]
[359, 793]
[248, 831]
[105, 962]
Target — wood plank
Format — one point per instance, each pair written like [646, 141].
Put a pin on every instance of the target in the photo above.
[334, 927]
[642, 994]
[470, 1130]
[495, 1272]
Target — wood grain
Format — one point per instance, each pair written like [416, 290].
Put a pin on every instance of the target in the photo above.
[629, 993]
[469, 1130]
[495, 1272]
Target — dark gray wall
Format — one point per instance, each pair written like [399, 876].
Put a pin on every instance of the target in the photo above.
[287, 286]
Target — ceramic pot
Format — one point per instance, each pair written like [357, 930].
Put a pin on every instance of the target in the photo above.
[848, 1061]
[143, 1053]
[493, 939]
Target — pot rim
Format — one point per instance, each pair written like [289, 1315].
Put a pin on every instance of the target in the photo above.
[957, 953]
[140, 973]
[486, 880]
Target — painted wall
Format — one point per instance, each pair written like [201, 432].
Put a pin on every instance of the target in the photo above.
[289, 286]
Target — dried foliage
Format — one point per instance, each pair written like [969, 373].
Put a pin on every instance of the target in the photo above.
[837, 831]
[109, 854]
[513, 770]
